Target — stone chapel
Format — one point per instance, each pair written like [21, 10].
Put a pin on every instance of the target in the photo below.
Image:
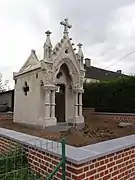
[49, 91]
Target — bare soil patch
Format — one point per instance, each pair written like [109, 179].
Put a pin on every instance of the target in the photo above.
[96, 130]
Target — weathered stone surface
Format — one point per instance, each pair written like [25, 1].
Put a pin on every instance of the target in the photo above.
[37, 105]
[124, 124]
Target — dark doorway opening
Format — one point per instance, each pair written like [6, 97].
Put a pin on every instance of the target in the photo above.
[60, 103]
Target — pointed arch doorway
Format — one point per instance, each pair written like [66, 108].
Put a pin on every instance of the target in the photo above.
[64, 82]
[60, 103]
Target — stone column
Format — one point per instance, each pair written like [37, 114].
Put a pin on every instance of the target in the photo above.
[80, 104]
[78, 117]
[76, 104]
[47, 103]
[53, 104]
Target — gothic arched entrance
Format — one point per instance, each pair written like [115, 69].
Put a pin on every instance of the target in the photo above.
[64, 83]
[60, 103]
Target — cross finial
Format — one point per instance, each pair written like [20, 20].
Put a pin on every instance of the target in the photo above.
[66, 25]
[48, 33]
[79, 45]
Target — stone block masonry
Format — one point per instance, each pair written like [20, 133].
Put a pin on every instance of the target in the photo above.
[109, 160]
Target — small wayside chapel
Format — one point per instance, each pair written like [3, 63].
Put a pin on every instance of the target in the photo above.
[49, 91]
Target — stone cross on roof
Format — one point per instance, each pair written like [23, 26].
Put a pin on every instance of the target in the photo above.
[79, 45]
[66, 25]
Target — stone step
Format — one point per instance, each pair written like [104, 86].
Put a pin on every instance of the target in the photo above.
[57, 128]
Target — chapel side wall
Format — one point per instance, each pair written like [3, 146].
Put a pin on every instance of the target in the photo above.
[26, 107]
[41, 105]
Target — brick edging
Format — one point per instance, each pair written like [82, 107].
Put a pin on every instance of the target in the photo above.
[74, 154]
[114, 166]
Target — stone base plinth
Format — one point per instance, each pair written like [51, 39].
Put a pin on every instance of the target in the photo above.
[77, 121]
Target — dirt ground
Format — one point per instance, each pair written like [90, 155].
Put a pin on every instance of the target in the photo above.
[96, 130]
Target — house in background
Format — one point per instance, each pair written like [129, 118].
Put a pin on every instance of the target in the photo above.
[95, 74]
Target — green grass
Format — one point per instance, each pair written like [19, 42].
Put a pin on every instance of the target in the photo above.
[23, 174]
[14, 166]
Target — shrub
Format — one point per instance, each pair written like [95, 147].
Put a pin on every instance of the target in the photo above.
[111, 96]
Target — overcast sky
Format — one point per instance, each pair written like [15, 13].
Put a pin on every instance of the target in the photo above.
[105, 27]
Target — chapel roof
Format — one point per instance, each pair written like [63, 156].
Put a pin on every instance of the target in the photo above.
[30, 64]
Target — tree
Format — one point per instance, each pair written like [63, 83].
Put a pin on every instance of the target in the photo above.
[4, 86]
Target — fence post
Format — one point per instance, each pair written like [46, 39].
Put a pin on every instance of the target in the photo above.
[64, 160]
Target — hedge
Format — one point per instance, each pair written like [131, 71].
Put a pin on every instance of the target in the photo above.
[111, 96]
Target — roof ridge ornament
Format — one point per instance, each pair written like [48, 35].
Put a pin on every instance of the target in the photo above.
[48, 33]
[47, 46]
[80, 53]
[66, 26]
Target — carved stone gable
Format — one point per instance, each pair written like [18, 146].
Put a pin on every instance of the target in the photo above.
[66, 52]
[73, 71]
[30, 63]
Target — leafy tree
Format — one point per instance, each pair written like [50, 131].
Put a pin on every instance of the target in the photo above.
[4, 86]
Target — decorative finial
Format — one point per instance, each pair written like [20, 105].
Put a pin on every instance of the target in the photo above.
[47, 46]
[66, 26]
[80, 55]
[33, 51]
[48, 33]
[79, 45]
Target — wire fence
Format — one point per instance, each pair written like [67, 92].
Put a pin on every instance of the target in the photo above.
[14, 164]
[32, 160]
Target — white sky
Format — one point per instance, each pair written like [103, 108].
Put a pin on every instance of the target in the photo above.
[105, 27]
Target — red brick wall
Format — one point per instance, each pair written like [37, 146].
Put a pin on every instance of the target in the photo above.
[117, 117]
[6, 116]
[6, 145]
[116, 166]
[87, 112]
